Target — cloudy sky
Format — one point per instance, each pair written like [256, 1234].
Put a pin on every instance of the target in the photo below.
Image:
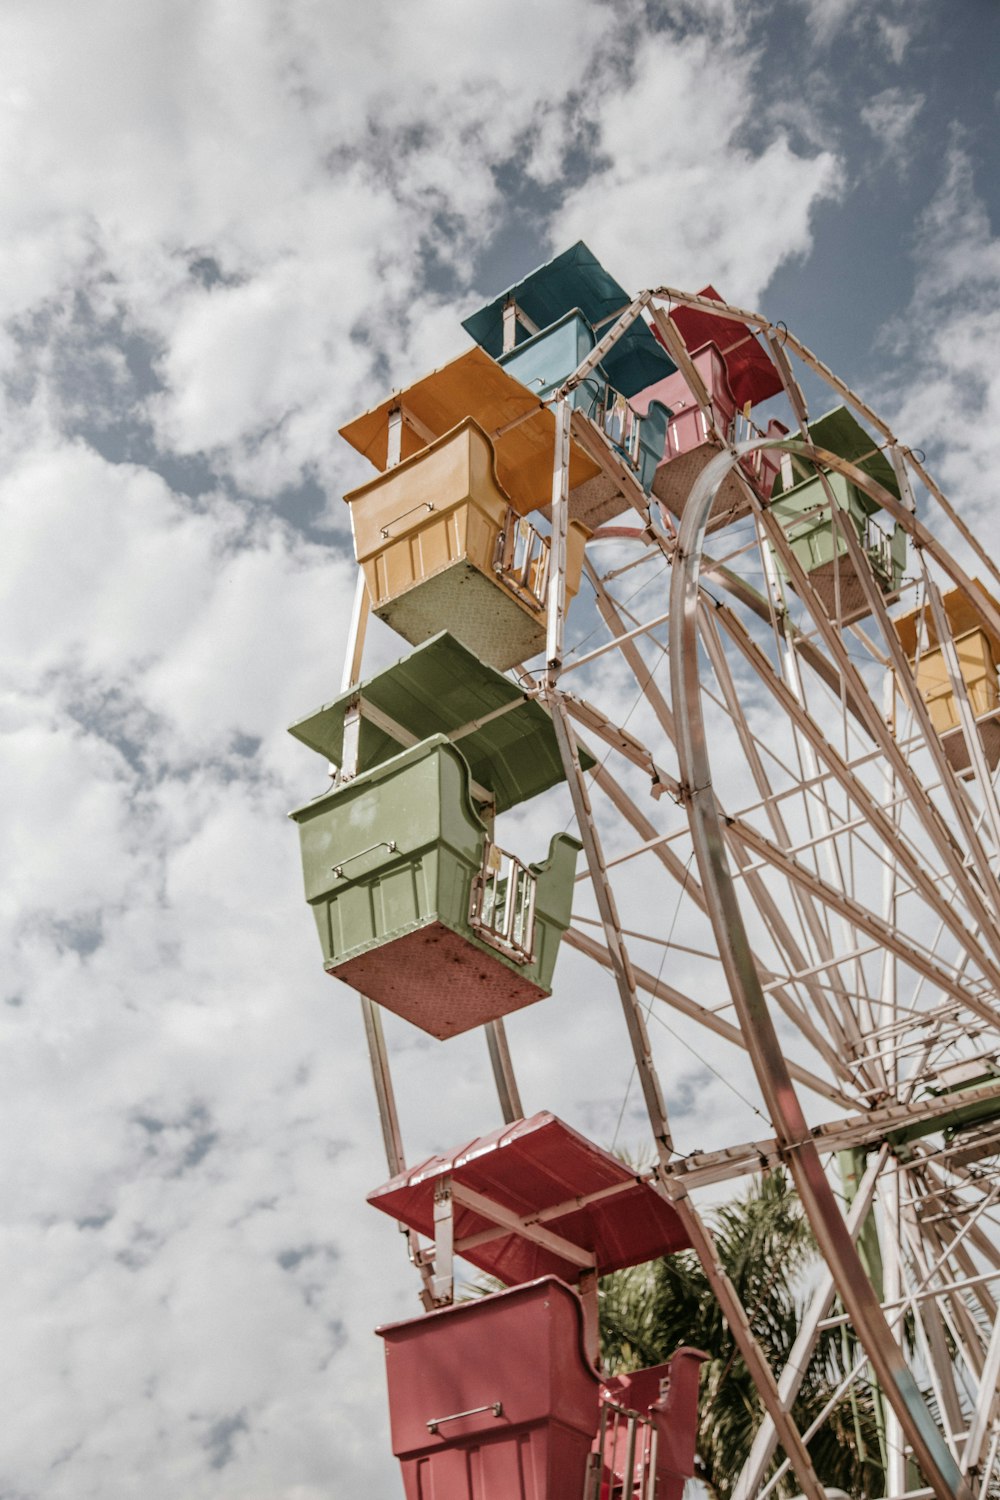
[226, 226]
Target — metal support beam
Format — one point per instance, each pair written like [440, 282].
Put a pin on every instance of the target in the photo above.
[503, 1072]
[790, 1382]
[753, 1356]
[688, 1007]
[765, 1049]
[556, 601]
[387, 1111]
[620, 963]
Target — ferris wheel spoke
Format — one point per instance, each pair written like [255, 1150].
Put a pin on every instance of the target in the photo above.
[780, 930]
[753, 1355]
[681, 871]
[803, 882]
[985, 1410]
[800, 970]
[778, 926]
[806, 649]
[863, 919]
[858, 1296]
[630, 651]
[845, 1028]
[936, 829]
[847, 777]
[955, 791]
[686, 1006]
[942, 1276]
[966, 1333]
[973, 1340]
[943, 1198]
[935, 1327]
[620, 962]
[976, 1283]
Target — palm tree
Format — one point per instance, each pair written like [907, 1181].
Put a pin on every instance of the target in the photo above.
[767, 1249]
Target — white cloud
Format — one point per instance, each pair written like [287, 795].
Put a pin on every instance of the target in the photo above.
[681, 201]
[952, 332]
[890, 116]
[895, 36]
[894, 23]
[827, 17]
[309, 167]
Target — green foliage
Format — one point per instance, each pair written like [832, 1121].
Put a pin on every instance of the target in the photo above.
[767, 1250]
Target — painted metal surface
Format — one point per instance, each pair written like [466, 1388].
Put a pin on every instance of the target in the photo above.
[474, 385]
[427, 534]
[840, 432]
[690, 442]
[694, 435]
[532, 1168]
[687, 427]
[391, 860]
[805, 514]
[802, 503]
[543, 361]
[977, 650]
[766, 1052]
[546, 361]
[575, 279]
[750, 372]
[668, 1395]
[493, 1399]
[442, 688]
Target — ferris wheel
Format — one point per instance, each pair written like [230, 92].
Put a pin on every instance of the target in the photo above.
[774, 709]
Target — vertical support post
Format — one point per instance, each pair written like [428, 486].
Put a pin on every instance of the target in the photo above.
[897, 458]
[503, 1072]
[377, 1053]
[496, 1034]
[394, 438]
[509, 325]
[387, 1112]
[895, 1473]
[443, 1282]
[557, 544]
[352, 741]
[356, 634]
[621, 964]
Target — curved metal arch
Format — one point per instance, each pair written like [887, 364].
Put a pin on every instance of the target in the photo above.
[770, 1066]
